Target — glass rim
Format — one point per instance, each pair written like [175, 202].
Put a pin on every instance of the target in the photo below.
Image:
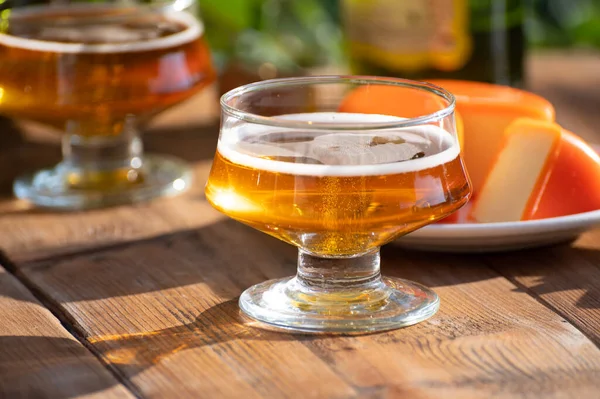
[329, 79]
[153, 6]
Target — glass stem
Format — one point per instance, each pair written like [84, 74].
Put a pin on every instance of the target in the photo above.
[338, 274]
[102, 161]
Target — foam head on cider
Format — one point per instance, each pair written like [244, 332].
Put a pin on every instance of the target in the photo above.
[330, 153]
[130, 33]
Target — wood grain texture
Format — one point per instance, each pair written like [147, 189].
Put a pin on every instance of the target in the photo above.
[163, 313]
[566, 278]
[153, 289]
[28, 233]
[175, 330]
[39, 358]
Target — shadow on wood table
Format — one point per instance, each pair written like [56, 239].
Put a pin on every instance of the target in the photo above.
[64, 368]
[218, 324]
[132, 353]
[244, 256]
[558, 269]
[21, 153]
[223, 254]
[539, 271]
[169, 305]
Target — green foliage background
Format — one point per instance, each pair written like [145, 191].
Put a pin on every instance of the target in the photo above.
[297, 33]
[565, 23]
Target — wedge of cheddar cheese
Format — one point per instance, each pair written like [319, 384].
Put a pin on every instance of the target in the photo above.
[540, 171]
[486, 111]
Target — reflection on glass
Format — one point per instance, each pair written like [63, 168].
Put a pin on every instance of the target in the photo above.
[337, 185]
[96, 72]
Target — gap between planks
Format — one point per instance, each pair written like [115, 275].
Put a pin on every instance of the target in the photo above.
[542, 301]
[79, 331]
[72, 327]
[66, 321]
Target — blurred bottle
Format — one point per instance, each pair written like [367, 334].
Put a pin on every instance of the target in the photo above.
[480, 40]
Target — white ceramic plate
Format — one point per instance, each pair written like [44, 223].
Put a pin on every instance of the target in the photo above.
[506, 236]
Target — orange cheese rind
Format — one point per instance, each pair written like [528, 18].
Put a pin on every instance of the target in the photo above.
[499, 98]
[401, 101]
[573, 183]
[541, 171]
[486, 110]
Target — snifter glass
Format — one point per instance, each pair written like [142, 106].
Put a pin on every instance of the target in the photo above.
[97, 72]
[338, 166]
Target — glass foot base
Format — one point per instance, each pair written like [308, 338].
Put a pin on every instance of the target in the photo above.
[386, 304]
[50, 188]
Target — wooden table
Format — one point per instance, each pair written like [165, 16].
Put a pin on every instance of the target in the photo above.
[140, 301]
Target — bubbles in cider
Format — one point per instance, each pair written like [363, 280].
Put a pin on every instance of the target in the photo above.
[336, 193]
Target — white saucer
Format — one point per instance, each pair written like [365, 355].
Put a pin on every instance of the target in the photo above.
[505, 236]
[494, 237]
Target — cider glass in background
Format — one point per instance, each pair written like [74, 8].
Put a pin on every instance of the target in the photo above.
[307, 160]
[98, 71]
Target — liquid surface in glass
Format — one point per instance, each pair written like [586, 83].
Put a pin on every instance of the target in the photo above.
[97, 64]
[334, 193]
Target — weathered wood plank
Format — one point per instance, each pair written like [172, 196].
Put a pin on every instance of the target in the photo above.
[169, 321]
[39, 358]
[36, 234]
[163, 313]
[566, 278]
[29, 233]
